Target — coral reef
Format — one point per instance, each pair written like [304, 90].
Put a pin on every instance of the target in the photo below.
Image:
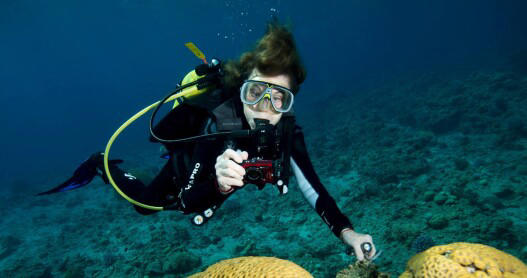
[422, 242]
[431, 156]
[362, 270]
[8, 245]
[253, 267]
[464, 260]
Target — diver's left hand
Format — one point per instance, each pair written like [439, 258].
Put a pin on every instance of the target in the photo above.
[355, 240]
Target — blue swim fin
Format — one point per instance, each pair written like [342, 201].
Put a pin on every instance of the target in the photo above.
[84, 174]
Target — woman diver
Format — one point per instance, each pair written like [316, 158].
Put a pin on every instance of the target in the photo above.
[255, 93]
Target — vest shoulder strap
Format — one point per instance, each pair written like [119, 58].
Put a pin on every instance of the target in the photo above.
[288, 126]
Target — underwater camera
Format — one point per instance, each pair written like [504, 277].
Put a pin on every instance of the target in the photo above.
[259, 171]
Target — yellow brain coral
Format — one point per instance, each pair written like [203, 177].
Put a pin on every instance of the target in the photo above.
[269, 267]
[464, 260]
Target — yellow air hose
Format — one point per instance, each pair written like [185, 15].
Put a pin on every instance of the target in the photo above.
[187, 92]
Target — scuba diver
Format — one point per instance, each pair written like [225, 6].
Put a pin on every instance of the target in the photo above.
[240, 131]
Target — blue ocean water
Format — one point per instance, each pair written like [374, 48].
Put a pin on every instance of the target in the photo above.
[415, 107]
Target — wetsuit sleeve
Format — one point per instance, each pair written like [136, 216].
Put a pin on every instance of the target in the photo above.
[313, 190]
[199, 190]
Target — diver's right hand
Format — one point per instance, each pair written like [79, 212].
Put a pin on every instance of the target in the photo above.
[229, 172]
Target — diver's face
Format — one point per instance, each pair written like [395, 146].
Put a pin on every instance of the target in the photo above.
[264, 109]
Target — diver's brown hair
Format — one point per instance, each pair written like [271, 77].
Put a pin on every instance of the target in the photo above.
[275, 53]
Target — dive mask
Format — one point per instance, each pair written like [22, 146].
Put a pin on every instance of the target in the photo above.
[253, 91]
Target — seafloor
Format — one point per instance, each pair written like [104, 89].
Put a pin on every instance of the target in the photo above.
[426, 159]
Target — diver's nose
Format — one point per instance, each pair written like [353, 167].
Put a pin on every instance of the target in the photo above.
[265, 104]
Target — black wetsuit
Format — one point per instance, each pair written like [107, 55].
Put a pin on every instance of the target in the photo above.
[188, 179]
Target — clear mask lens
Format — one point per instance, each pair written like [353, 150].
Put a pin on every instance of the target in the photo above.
[253, 92]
